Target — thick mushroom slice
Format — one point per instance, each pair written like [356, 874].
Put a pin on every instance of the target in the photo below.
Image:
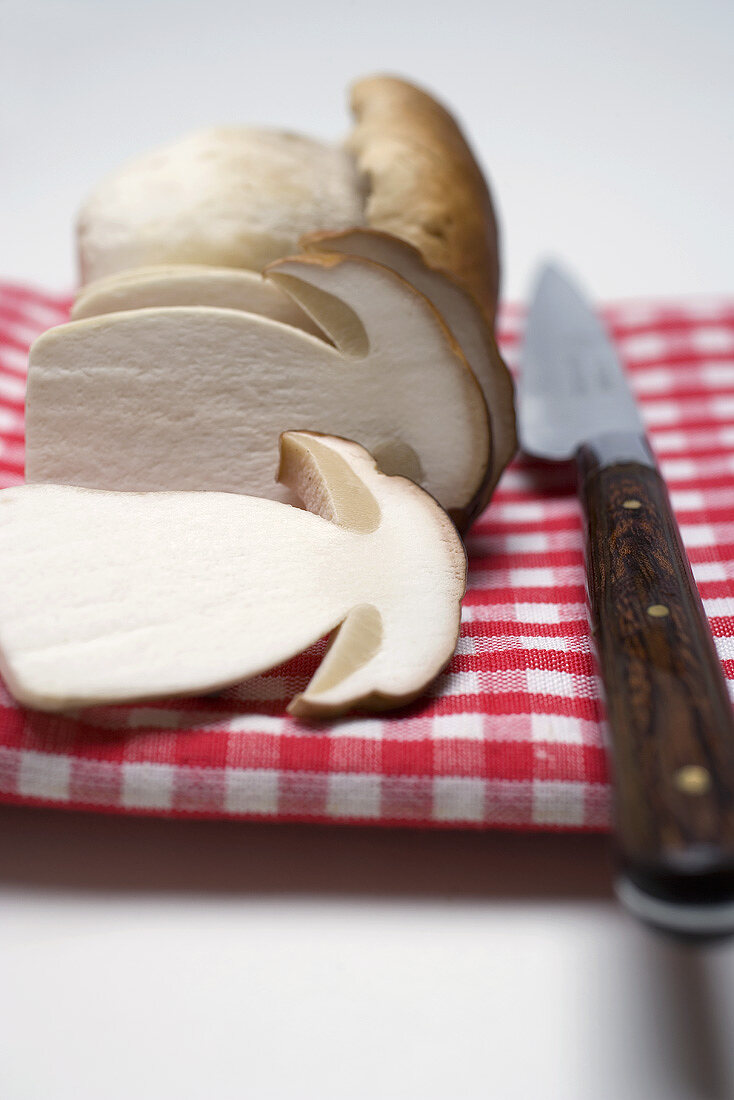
[229, 196]
[189, 285]
[461, 313]
[196, 398]
[117, 597]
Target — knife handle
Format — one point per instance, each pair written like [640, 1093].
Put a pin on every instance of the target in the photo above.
[670, 717]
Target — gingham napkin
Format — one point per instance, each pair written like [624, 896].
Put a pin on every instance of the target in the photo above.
[510, 735]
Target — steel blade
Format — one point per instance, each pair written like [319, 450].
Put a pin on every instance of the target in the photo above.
[572, 388]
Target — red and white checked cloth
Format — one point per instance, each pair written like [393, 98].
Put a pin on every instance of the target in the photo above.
[510, 736]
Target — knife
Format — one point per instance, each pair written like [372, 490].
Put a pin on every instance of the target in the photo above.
[670, 718]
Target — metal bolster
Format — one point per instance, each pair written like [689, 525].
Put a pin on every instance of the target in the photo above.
[615, 449]
[705, 920]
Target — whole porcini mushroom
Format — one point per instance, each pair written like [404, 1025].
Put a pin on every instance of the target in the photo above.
[404, 191]
[242, 197]
[119, 597]
[196, 398]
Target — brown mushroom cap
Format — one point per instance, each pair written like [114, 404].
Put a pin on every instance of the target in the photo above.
[424, 184]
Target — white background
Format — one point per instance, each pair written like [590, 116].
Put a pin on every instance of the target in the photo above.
[154, 959]
[604, 126]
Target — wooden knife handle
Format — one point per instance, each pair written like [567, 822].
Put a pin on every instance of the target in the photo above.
[670, 717]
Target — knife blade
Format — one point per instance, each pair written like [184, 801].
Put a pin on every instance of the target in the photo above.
[671, 728]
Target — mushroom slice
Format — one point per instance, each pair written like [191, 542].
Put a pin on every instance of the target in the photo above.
[196, 398]
[189, 285]
[118, 597]
[462, 315]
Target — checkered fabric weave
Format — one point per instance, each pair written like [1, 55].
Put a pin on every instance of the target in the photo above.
[510, 735]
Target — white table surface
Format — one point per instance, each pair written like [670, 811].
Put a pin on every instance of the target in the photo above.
[157, 960]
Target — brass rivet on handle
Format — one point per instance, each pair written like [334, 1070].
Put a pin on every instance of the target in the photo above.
[692, 779]
[658, 611]
[631, 504]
